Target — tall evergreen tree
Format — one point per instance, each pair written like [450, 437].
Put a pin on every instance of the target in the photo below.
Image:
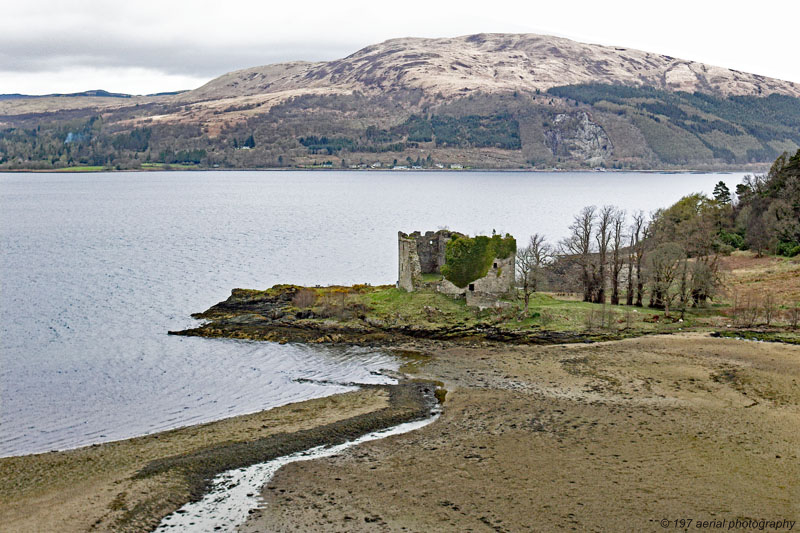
[722, 194]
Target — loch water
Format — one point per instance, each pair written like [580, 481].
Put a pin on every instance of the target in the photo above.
[96, 268]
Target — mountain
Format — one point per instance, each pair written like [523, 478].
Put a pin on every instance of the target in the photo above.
[92, 93]
[487, 100]
[493, 63]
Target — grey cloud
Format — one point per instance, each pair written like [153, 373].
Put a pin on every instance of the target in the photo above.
[206, 60]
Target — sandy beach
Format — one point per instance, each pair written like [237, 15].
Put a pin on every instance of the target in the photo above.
[587, 437]
[607, 437]
[130, 485]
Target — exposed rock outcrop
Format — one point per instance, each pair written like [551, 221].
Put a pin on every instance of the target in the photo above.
[575, 136]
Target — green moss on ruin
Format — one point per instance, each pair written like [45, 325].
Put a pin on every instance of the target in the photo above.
[469, 258]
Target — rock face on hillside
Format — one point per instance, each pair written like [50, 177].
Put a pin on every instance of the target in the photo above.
[491, 63]
[575, 136]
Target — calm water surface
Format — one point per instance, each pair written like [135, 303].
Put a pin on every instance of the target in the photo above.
[95, 268]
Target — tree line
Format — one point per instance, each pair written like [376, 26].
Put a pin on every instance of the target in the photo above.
[671, 257]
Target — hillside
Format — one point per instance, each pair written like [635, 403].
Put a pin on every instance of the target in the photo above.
[486, 101]
[490, 63]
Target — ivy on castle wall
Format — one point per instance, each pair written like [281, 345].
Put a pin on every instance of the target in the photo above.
[469, 258]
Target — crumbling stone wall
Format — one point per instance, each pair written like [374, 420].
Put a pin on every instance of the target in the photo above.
[409, 270]
[425, 254]
[498, 280]
[431, 248]
[420, 254]
[448, 287]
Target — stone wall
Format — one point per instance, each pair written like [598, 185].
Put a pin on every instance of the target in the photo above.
[499, 280]
[425, 254]
[409, 272]
[431, 249]
[483, 300]
[486, 291]
[447, 287]
[420, 254]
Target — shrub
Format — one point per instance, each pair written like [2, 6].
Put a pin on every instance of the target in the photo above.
[788, 249]
[731, 239]
[340, 304]
[304, 298]
[793, 316]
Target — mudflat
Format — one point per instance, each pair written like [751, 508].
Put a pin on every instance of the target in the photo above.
[96, 488]
[610, 436]
[613, 436]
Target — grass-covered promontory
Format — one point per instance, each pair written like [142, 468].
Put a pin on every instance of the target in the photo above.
[387, 315]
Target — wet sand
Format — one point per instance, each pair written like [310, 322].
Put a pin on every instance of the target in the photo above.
[96, 489]
[607, 437]
[611, 436]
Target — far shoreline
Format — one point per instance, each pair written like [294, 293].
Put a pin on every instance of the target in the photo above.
[757, 170]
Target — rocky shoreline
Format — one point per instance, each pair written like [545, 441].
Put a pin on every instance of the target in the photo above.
[271, 316]
[302, 331]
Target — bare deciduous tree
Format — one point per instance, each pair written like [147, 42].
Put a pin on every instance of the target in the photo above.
[769, 308]
[578, 247]
[631, 260]
[530, 262]
[542, 253]
[617, 259]
[639, 233]
[684, 288]
[605, 220]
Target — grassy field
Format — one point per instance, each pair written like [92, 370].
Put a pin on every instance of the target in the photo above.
[747, 275]
[145, 166]
[547, 312]
[754, 292]
[173, 166]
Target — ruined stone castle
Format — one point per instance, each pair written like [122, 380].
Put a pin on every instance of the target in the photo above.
[422, 256]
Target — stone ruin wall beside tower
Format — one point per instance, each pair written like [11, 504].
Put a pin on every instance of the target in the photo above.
[420, 254]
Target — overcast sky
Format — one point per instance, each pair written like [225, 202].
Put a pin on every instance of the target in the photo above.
[148, 46]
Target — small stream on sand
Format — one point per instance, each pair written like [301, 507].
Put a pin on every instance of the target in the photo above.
[236, 492]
